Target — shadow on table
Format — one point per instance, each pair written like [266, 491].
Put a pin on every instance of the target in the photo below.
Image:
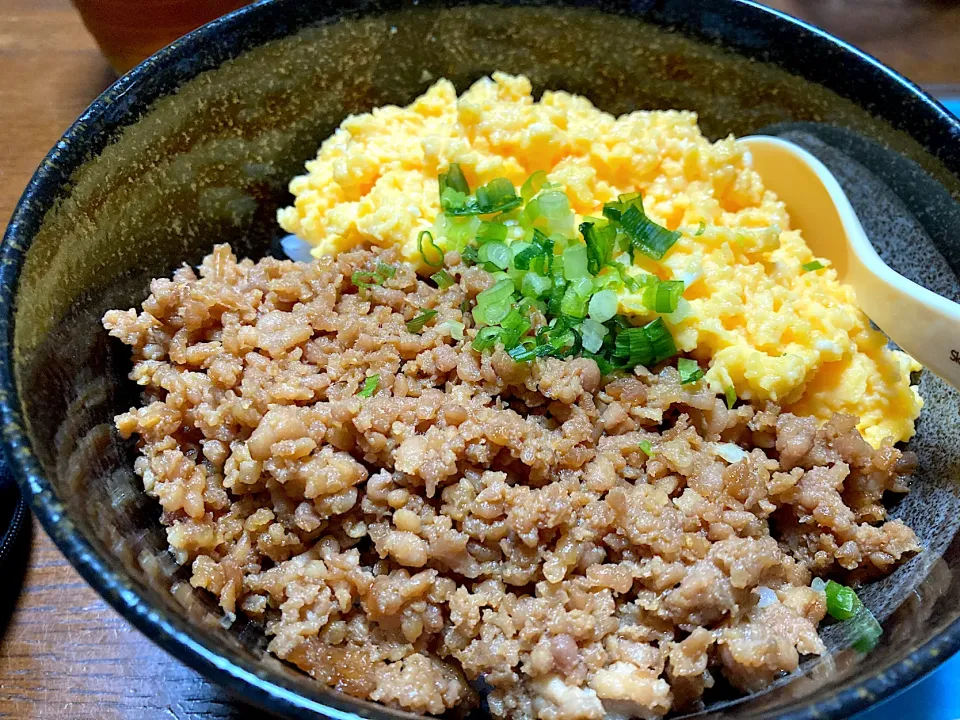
[14, 570]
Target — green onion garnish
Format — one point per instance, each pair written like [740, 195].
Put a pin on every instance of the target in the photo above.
[535, 286]
[864, 630]
[600, 243]
[454, 189]
[690, 371]
[491, 232]
[603, 305]
[549, 212]
[454, 179]
[416, 324]
[663, 296]
[842, 601]
[486, 338]
[498, 195]
[433, 255]
[496, 253]
[646, 447]
[812, 265]
[548, 272]
[575, 262]
[592, 334]
[443, 279]
[365, 280]
[730, 393]
[647, 346]
[645, 235]
[571, 304]
[533, 185]
[369, 386]
[701, 228]
[499, 292]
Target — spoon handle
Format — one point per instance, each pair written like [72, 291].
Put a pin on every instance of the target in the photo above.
[924, 324]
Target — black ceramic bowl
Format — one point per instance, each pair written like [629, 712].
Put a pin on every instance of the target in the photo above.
[196, 145]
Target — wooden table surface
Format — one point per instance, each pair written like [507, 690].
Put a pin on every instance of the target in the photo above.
[66, 655]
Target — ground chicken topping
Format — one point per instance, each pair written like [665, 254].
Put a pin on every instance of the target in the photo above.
[565, 544]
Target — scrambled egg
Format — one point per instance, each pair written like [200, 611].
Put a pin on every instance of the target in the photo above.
[765, 326]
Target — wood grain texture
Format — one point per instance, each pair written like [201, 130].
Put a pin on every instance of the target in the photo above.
[64, 654]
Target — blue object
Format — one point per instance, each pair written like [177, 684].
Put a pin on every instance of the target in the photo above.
[936, 697]
[952, 104]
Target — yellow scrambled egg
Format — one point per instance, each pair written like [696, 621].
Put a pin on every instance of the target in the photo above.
[765, 326]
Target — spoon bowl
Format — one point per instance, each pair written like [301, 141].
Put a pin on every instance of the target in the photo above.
[922, 323]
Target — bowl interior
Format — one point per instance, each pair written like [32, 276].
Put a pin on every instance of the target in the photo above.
[211, 162]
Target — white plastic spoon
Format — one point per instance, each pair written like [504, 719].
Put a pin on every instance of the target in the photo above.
[924, 324]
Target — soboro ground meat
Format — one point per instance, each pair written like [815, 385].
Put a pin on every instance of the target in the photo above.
[478, 518]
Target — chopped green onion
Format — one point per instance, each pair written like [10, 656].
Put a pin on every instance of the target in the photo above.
[498, 195]
[435, 254]
[648, 345]
[454, 178]
[603, 306]
[533, 185]
[647, 447]
[634, 347]
[842, 602]
[522, 353]
[600, 242]
[443, 279]
[701, 229]
[811, 266]
[592, 334]
[497, 253]
[645, 235]
[661, 340]
[515, 320]
[493, 313]
[556, 296]
[491, 232]
[550, 211]
[522, 259]
[486, 338]
[572, 284]
[456, 329]
[416, 324]
[730, 393]
[690, 371]
[535, 286]
[575, 262]
[537, 256]
[583, 287]
[663, 296]
[864, 630]
[499, 292]
[369, 386]
[572, 304]
[459, 231]
[365, 280]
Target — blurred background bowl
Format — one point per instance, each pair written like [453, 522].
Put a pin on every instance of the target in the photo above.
[196, 146]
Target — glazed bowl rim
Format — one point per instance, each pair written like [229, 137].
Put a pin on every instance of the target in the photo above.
[122, 104]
